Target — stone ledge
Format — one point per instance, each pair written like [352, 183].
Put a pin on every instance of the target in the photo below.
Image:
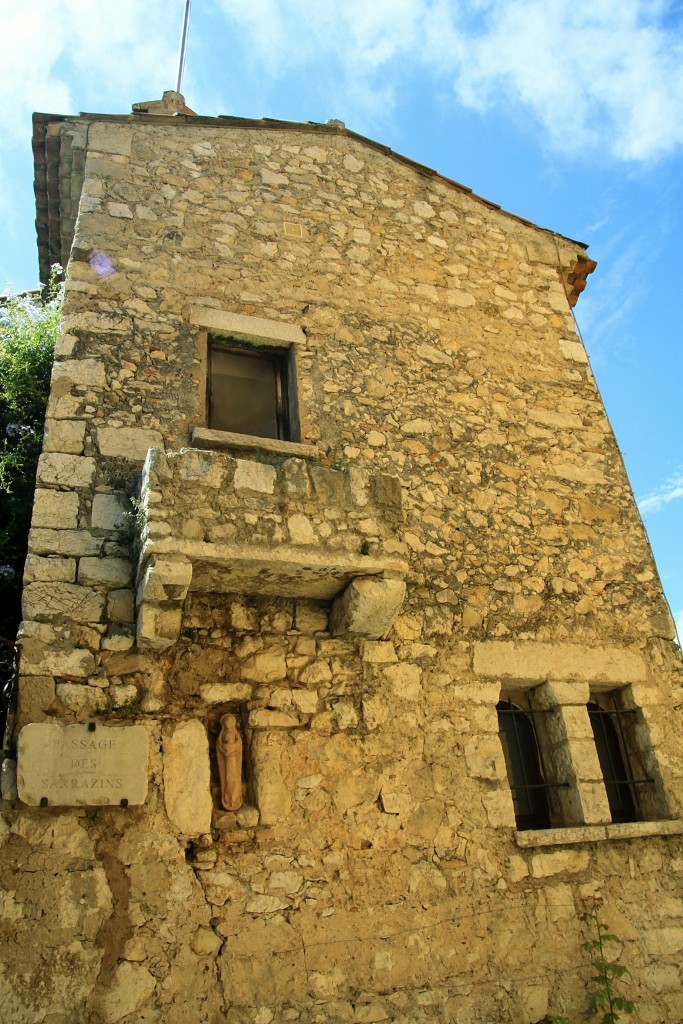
[246, 328]
[598, 833]
[225, 440]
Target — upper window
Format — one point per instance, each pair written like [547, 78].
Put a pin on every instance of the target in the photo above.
[249, 390]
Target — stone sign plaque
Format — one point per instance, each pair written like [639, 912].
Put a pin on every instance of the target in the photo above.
[82, 765]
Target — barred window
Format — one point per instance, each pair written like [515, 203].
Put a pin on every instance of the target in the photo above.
[613, 728]
[524, 766]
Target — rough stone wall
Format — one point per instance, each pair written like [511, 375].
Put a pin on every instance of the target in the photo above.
[373, 873]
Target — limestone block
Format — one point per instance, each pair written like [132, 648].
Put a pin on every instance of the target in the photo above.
[254, 476]
[187, 778]
[165, 580]
[368, 607]
[223, 693]
[36, 696]
[39, 660]
[55, 509]
[264, 718]
[121, 606]
[404, 680]
[558, 694]
[273, 795]
[543, 865]
[63, 542]
[377, 652]
[484, 758]
[300, 530]
[80, 697]
[104, 137]
[64, 436]
[131, 987]
[131, 443]
[110, 512]
[112, 572]
[158, 628]
[60, 470]
[573, 350]
[49, 570]
[531, 662]
[84, 372]
[267, 667]
[45, 601]
[499, 808]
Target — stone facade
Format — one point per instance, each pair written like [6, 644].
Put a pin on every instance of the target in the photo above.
[451, 525]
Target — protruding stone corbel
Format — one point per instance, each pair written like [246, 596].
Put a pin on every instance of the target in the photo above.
[161, 594]
[368, 607]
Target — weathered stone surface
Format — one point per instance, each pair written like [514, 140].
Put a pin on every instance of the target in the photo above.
[38, 660]
[46, 601]
[448, 431]
[61, 470]
[534, 661]
[55, 509]
[72, 765]
[110, 512]
[187, 792]
[64, 436]
[49, 570]
[131, 443]
[132, 985]
[111, 572]
[367, 607]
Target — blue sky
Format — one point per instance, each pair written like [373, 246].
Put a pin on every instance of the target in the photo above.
[568, 114]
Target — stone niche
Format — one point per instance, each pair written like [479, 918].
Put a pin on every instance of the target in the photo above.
[281, 528]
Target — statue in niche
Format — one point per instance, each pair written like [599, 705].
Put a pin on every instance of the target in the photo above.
[229, 757]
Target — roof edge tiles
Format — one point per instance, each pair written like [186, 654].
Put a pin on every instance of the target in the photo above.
[41, 122]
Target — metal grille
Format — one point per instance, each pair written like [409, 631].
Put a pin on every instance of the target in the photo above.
[534, 797]
[610, 727]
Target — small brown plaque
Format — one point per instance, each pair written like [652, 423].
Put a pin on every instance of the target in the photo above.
[81, 765]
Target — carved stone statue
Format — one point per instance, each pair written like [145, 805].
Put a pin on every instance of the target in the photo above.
[229, 757]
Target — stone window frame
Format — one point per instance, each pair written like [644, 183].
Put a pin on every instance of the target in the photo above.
[568, 745]
[256, 333]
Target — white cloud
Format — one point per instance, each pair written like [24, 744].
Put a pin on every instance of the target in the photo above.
[109, 49]
[601, 76]
[671, 490]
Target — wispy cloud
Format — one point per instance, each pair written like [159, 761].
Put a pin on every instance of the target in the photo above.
[604, 76]
[110, 48]
[671, 490]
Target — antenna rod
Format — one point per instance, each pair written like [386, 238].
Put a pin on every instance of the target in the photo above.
[183, 44]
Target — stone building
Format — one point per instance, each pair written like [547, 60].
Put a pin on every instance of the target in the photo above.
[348, 690]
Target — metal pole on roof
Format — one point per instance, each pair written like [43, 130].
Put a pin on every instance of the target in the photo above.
[183, 44]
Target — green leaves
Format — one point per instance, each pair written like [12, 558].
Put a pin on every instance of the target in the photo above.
[604, 999]
[28, 331]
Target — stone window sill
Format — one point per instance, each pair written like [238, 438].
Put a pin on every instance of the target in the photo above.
[597, 833]
[223, 440]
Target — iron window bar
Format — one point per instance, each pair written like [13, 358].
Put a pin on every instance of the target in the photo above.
[525, 757]
[618, 774]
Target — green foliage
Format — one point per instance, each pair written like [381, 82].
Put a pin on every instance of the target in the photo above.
[606, 973]
[28, 331]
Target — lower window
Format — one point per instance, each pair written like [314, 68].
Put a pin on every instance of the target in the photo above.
[526, 772]
[625, 783]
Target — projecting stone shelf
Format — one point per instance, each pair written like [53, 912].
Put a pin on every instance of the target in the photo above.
[213, 523]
